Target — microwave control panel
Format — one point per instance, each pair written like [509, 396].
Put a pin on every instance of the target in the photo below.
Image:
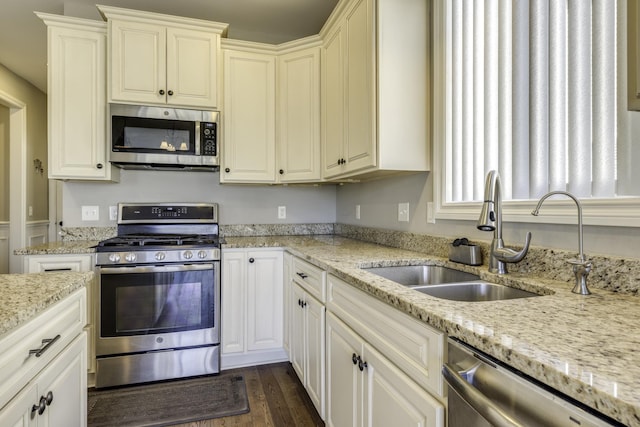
[208, 142]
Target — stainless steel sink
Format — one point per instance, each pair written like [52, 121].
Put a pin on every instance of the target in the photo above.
[447, 283]
[415, 275]
[473, 291]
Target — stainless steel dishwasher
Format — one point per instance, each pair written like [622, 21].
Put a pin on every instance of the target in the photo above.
[482, 392]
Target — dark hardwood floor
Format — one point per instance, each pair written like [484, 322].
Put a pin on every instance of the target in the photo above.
[276, 398]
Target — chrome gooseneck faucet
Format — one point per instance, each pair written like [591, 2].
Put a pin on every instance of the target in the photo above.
[581, 266]
[491, 220]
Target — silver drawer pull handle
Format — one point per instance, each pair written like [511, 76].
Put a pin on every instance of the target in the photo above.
[48, 342]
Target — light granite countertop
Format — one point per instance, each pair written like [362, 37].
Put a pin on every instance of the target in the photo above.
[23, 296]
[584, 346]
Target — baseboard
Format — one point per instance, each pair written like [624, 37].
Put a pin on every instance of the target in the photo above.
[241, 360]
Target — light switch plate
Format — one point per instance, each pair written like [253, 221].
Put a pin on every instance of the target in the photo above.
[90, 213]
[431, 217]
[282, 212]
[403, 212]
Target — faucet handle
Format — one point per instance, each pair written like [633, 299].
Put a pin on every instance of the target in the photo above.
[509, 255]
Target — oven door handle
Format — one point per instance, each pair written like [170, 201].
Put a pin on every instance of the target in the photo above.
[156, 268]
[478, 401]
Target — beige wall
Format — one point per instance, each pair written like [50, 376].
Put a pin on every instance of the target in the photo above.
[4, 163]
[36, 102]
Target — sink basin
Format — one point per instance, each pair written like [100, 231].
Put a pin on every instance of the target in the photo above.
[474, 291]
[415, 275]
[447, 283]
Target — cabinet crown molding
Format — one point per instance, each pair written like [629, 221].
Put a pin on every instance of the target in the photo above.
[72, 22]
[110, 12]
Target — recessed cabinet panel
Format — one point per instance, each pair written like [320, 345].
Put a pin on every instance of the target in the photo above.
[249, 119]
[138, 61]
[299, 116]
[77, 99]
[192, 68]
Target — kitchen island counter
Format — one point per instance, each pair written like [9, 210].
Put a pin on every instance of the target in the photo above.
[23, 296]
[583, 346]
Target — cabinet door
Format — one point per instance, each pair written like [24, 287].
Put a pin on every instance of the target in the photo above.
[248, 153]
[333, 117]
[298, 331]
[264, 300]
[315, 352]
[392, 398]
[192, 69]
[77, 103]
[344, 380]
[65, 381]
[18, 412]
[299, 116]
[360, 141]
[138, 62]
[233, 301]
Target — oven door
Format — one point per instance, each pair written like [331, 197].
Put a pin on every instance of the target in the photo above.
[151, 308]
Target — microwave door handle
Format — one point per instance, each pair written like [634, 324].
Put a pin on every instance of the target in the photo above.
[478, 401]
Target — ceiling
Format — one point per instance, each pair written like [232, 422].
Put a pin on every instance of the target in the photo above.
[23, 36]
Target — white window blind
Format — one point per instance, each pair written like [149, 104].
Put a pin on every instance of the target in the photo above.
[532, 89]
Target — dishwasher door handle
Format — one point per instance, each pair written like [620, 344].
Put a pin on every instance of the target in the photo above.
[478, 401]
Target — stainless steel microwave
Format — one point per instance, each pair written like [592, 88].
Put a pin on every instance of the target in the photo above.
[144, 137]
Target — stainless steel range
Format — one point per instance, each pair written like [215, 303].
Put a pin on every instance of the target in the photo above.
[158, 314]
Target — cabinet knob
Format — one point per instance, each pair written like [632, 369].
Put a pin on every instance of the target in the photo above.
[40, 407]
[362, 364]
[49, 398]
[251, 260]
[170, 93]
[354, 358]
[281, 171]
[227, 170]
[161, 92]
[99, 165]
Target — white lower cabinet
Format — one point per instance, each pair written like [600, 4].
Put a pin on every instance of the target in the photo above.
[252, 307]
[52, 389]
[72, 262]
[383, 367]
[307, 350]
[366, 389]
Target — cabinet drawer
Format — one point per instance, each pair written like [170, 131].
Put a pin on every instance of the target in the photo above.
[416, 348]
[17, 367]
[311, 278]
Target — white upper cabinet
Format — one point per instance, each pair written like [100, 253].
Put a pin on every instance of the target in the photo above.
[249, 120]
[161, 59]
[271, 112]
[298, 116]
[375, 88]
[77, 120]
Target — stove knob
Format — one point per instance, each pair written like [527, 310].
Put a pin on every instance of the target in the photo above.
[202, 254]
[160, 256]
[187, 255]
[114, 257]
[130, 257]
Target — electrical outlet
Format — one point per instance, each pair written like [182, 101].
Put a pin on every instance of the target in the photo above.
[30, 210]
[90, 213]
[403, 212]
[357, 211]
[282, 212]
[113, 213]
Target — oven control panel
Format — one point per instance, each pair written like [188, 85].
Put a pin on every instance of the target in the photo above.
[171, 256]
[167, 213]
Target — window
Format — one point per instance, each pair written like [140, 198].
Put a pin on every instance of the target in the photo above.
[536, 90]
